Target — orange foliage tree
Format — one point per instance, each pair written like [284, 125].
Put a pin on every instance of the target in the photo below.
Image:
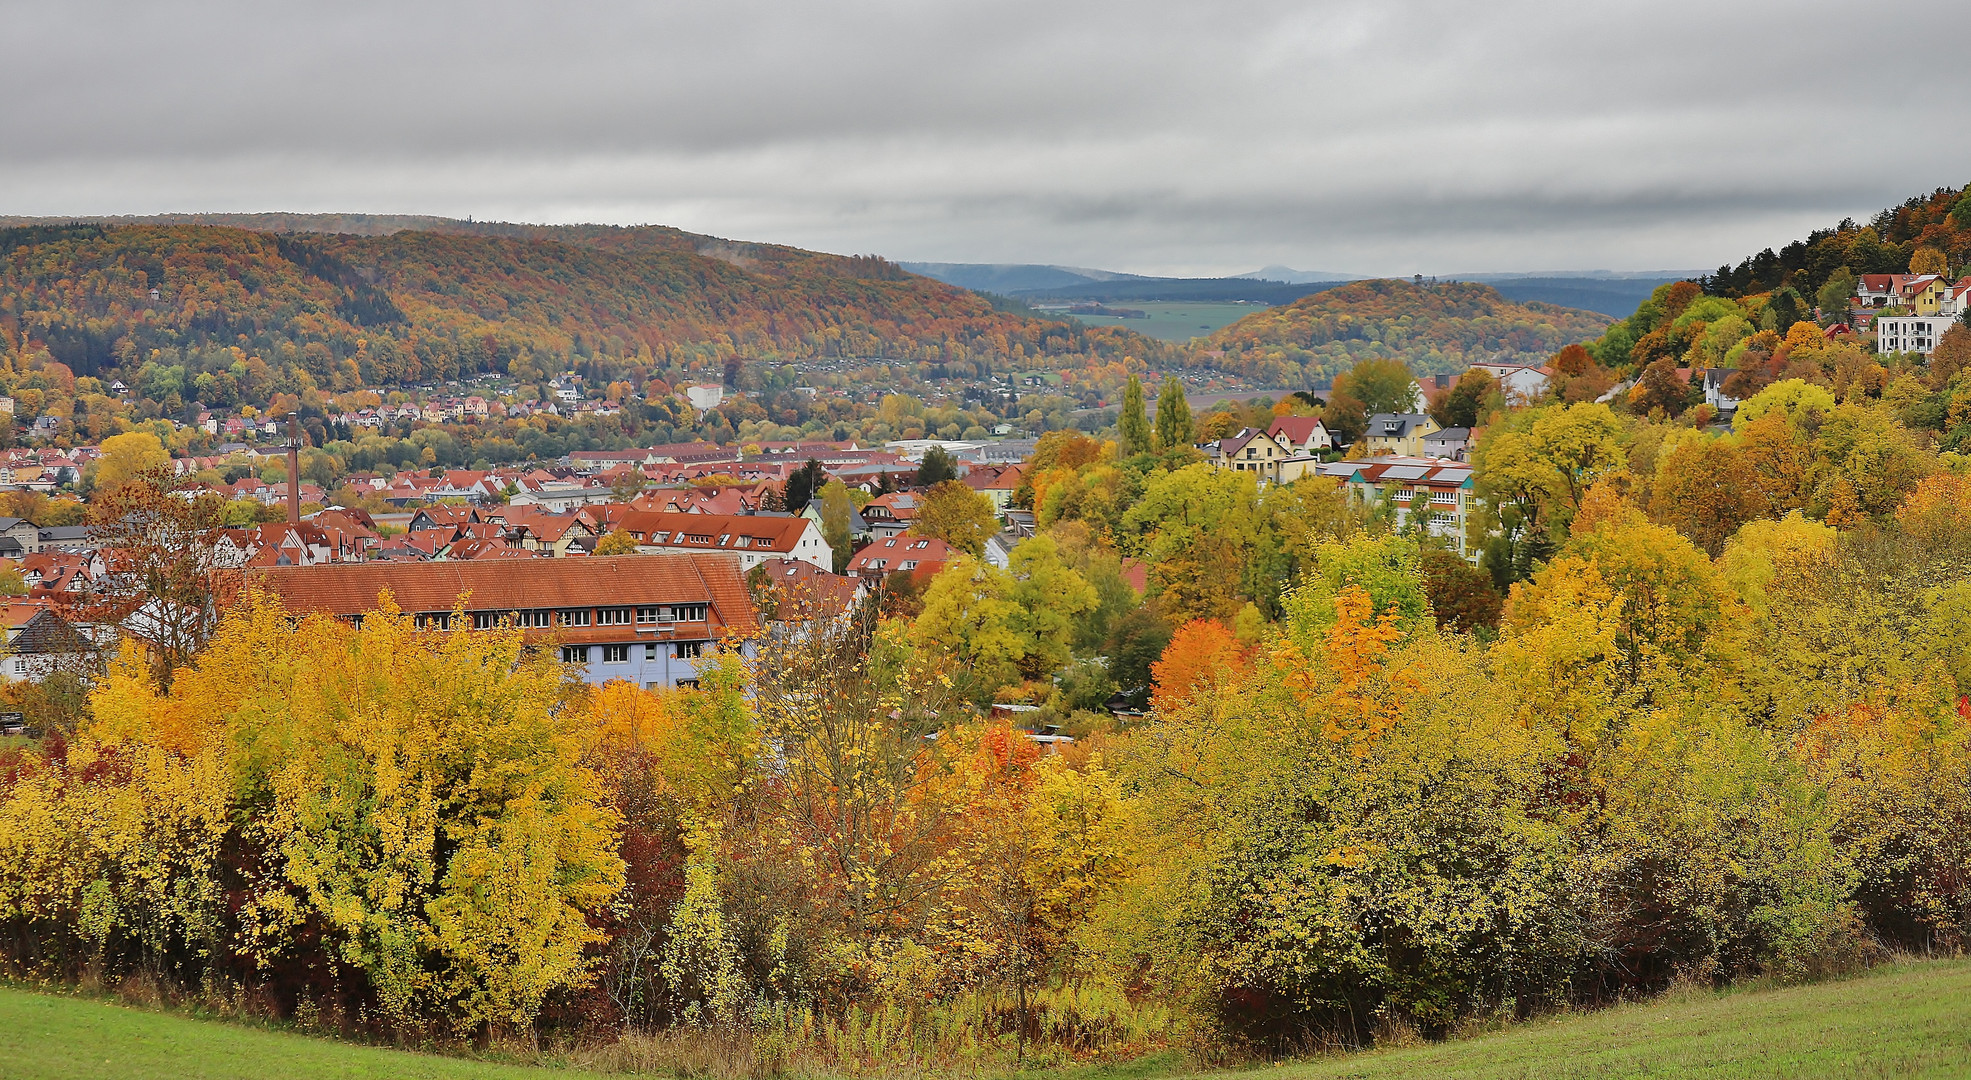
[1200, 654]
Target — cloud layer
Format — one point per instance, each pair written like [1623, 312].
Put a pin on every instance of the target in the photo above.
[1151, 136]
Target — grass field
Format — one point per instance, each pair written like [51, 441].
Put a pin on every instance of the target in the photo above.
[1908, 1021]
[1911, 1020]
[1175, 320]
[61, 1038]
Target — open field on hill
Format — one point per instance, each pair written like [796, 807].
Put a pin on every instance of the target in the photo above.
[1176, 321]
[1911, 1020]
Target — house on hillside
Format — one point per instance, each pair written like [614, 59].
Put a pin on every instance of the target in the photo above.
[1451, 443]
[1401, 434]
[1920, 293]
[1253, 451]
[1518, 383]
[646, 619]
[1920, 333]
[1301, 434]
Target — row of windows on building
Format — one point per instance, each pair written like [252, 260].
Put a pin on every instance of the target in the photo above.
[620, 654]
[545, 618]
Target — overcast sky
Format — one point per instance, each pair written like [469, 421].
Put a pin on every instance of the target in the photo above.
[1153, 136]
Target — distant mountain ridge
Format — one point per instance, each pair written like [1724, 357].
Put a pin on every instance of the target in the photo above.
[1290, 276]
[1608, 292]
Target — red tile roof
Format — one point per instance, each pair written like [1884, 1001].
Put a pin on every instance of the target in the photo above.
[715, 531]
[888, 556]
[1296, 429]
[513, 585]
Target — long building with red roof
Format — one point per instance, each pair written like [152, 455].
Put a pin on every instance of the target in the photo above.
[647, 619]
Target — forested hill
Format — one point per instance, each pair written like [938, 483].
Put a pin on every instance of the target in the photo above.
[1926, 234]
[458, 297]
[1433, 328]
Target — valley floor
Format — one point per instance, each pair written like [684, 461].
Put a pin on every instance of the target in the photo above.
[1911, 1020]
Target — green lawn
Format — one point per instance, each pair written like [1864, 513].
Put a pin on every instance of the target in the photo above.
[1911, 1020]
[62, 1038]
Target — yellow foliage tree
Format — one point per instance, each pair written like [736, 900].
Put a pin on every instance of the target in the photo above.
[126, 456]
[419, 798]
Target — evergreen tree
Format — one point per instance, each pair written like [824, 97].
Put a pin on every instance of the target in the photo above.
[1174, 427]
[938, 466]
[1134, 423]
[802, 484]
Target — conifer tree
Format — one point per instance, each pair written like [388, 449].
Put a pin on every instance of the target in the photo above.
[1174, 427]
[1134, 425]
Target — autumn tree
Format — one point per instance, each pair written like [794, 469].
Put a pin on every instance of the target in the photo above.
[1661, 387]
[1780, 460]
[1001, 627]
[1952, 355]
[1382, 386]
[1705, 489]
[165, 584]
[627, 485]
[1462, 596]
[1201, 653]
[1204, 538]
[616, 542]
[291, 747]
[1837, 295]
[956, 514]
[837, 518]
[846, 707]
[1468, 400]
[1541, 462]
[126, 457]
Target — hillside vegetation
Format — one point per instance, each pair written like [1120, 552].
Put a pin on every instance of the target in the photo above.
[1901, 1022]
[414, 305]
[1926, 234]
[1433, 328]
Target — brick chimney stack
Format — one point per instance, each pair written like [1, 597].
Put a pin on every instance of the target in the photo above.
[293, 471]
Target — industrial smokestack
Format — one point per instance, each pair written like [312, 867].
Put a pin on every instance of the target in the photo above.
[293, 472]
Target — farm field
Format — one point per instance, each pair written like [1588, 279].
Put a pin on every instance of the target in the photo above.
[1173, 320]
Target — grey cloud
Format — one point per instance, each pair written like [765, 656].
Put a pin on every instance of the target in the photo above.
[1151, 135]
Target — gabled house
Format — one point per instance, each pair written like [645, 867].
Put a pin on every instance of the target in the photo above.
[1300, 435]
[1401, 434]
[889, 515]
[1253, 451]
[995, 482]
[1450, 443]
[1518, 383]
[755, 538]
[920, 555]
[794, 590]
